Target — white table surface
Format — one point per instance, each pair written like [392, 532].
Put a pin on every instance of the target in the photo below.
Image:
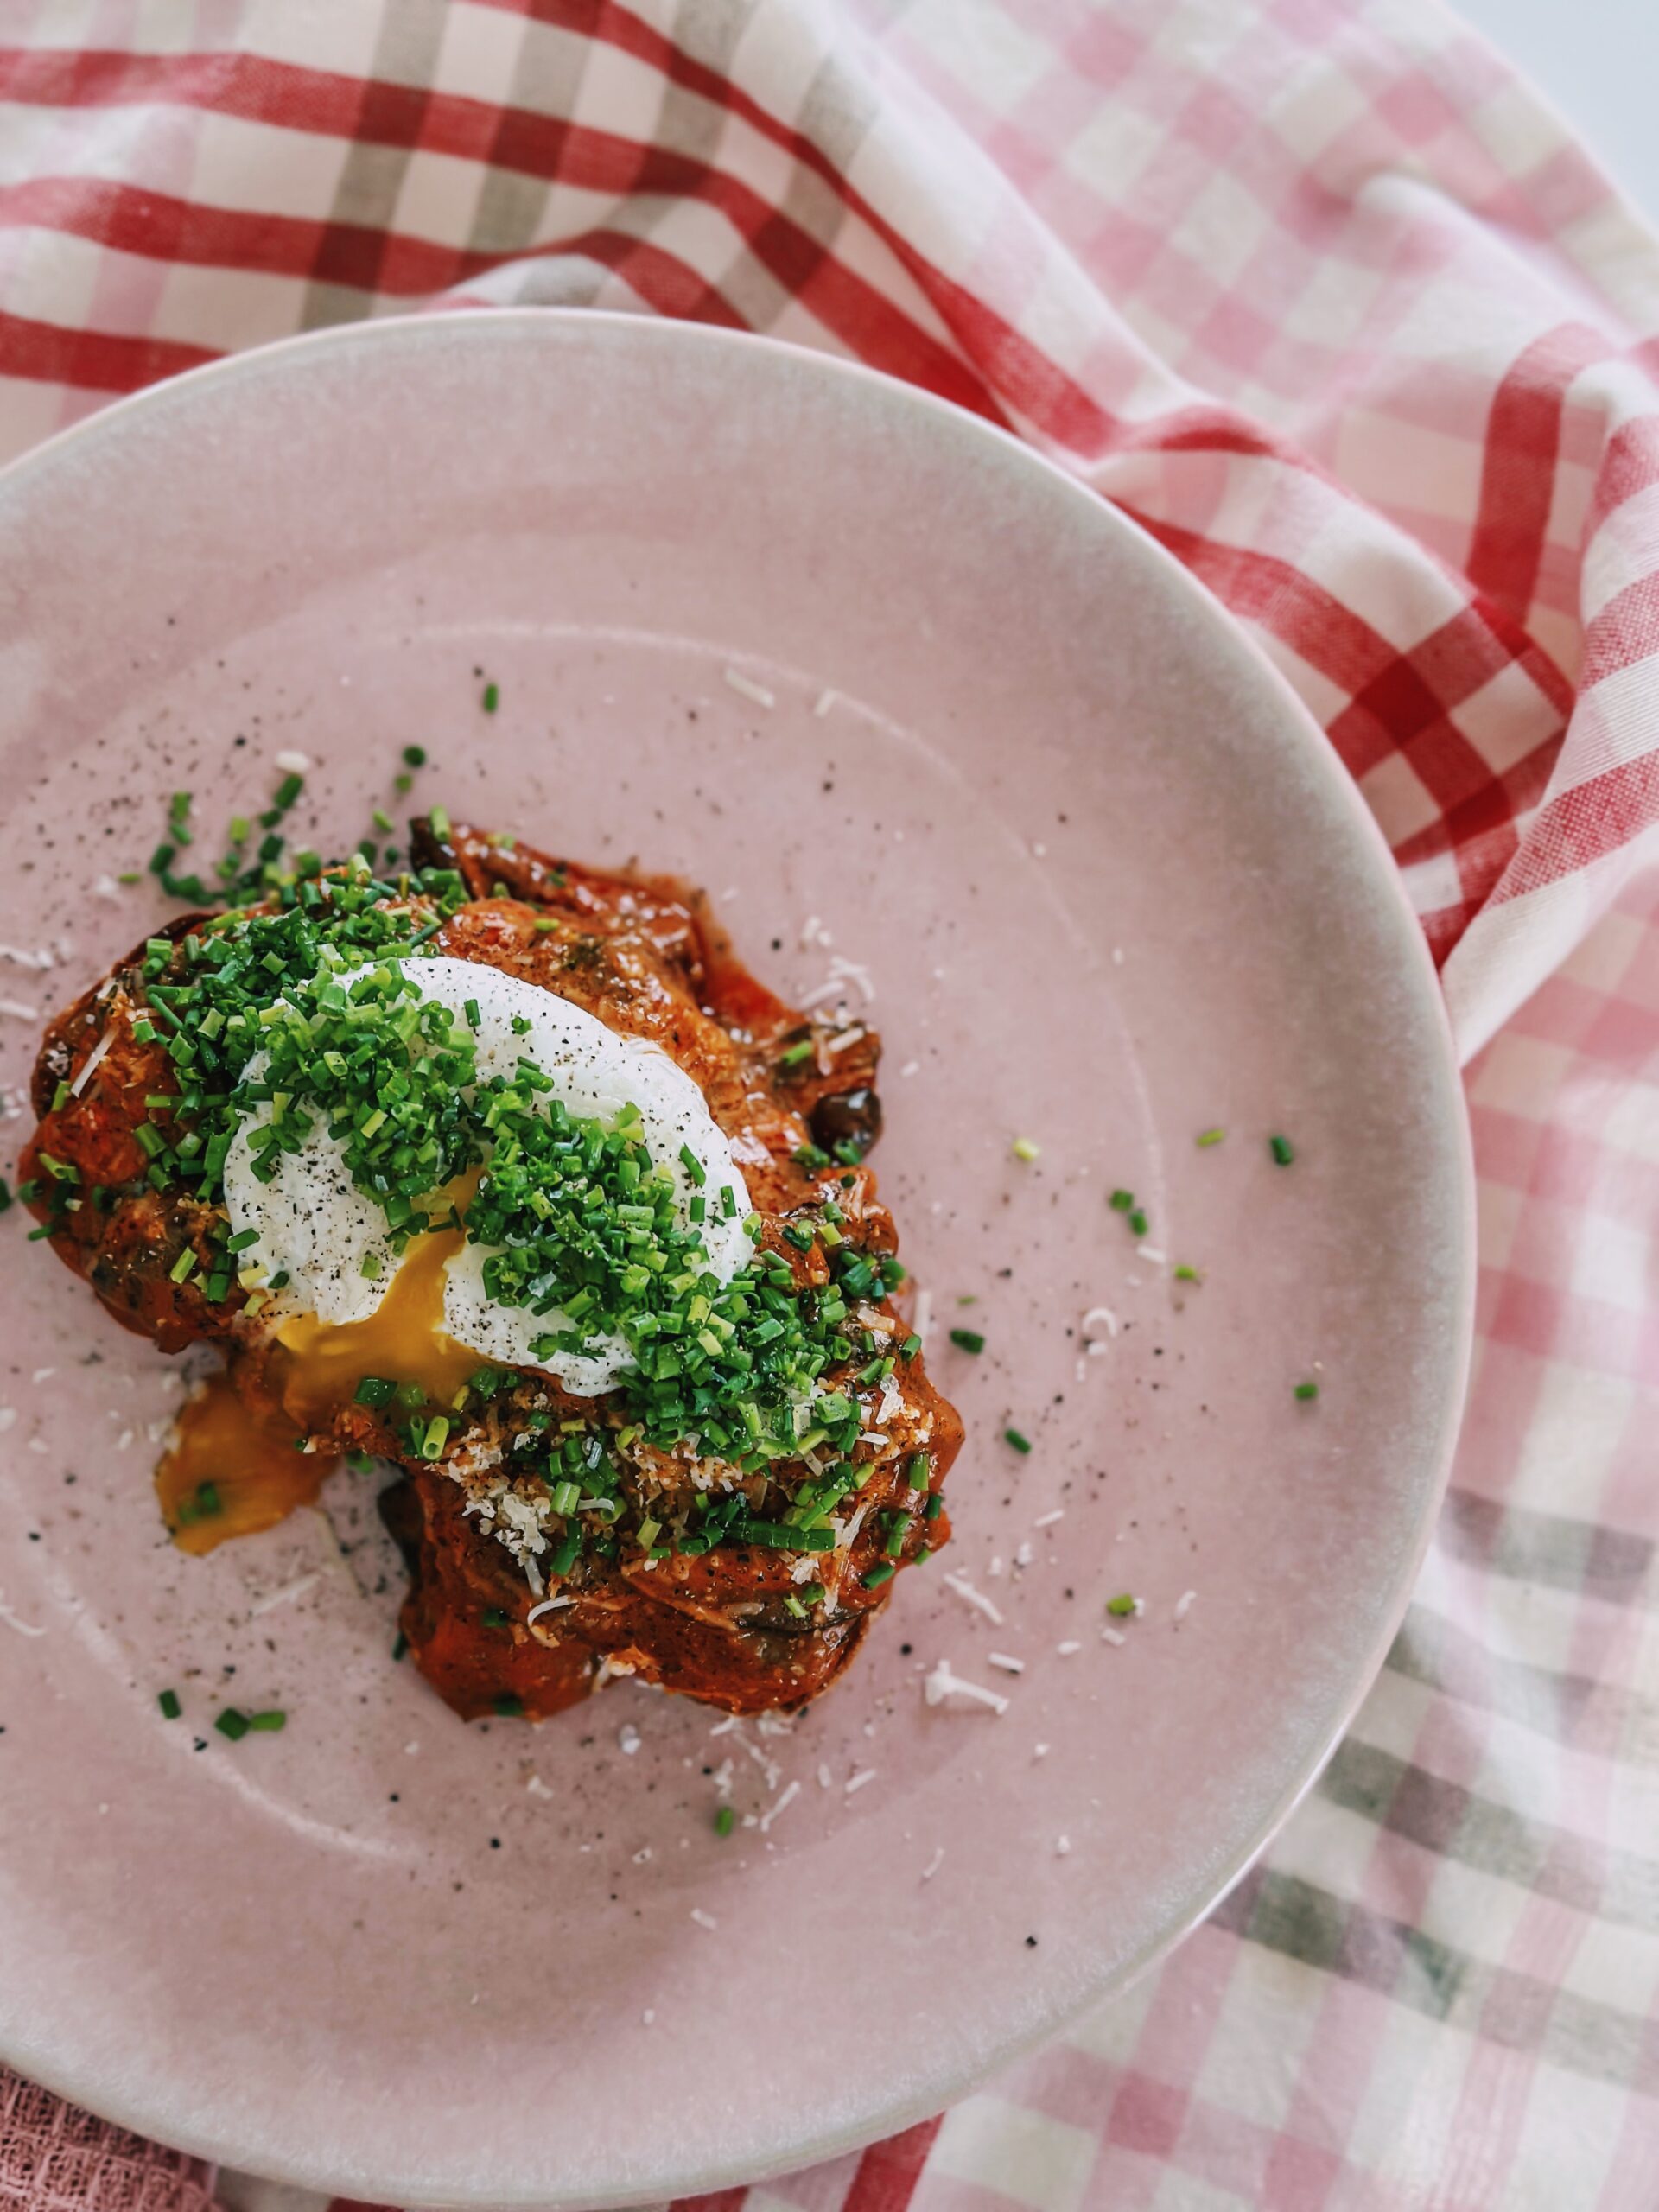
[1597, 62]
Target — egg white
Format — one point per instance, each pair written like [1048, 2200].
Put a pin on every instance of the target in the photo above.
[312, 1221]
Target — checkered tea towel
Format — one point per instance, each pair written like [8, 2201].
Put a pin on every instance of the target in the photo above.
[1327, 301]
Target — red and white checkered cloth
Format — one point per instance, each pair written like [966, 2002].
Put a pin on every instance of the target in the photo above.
[1318, 292]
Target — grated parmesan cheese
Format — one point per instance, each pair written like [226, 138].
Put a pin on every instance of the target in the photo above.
[771, 1812]
[942, 1683]
[747, 688]
[286, 1596]
[965, 1590]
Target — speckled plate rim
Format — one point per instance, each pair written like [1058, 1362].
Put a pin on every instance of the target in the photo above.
[1307, 746]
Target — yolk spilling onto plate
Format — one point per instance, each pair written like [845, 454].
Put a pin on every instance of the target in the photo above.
[403, 1340]
[232, 1471]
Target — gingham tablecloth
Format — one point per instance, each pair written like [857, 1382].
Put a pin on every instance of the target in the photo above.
[1324, 297]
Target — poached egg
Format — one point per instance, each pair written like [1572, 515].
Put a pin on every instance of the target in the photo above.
[425, 1315]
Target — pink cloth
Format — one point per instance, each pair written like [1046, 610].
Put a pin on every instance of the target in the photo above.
[53, 2159]
[1321, 295]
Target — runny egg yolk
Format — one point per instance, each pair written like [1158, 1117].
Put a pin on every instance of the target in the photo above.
[232, 1471]
[402, 1340]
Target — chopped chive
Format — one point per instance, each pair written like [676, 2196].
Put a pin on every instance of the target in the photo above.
[1021, 1443]
[508, 1704]
[725, 1820]
[813, 1593]
[693, 1167]
[414, 757]
[233, 1723]
[1024, 1148]
[287, 791]
[793, 1055]
[883, 1571]
[60, 1097]
[1138, 1222]
[1121, 1607]
[169, 1701]
[374, 1390]
[400, 1646]
[1122, 1201]
[1184, 1274]
[439, 818]
[1282, 1150]
[1306, 1391]
[494, 1617]
[492, 697]
[267, 1723]
[183, 1267]
[967, 1340]
[1207, 1137]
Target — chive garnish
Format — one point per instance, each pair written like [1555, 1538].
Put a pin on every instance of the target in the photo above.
[414, 757]
[1121, 1607]
[1021, 1443]
[1207, 1137]
[1122, 1201]
[883, 1571]
[233, 1723]
[967, 1340]
[1025, 1148]
[1306, 1391]
[1282, 1150]
[508, 1704]
[725, 1820]
[169, 1701]
[492, 697]
[267, 1723]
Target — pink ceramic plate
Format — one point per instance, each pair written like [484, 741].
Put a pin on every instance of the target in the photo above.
[1110, 888]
